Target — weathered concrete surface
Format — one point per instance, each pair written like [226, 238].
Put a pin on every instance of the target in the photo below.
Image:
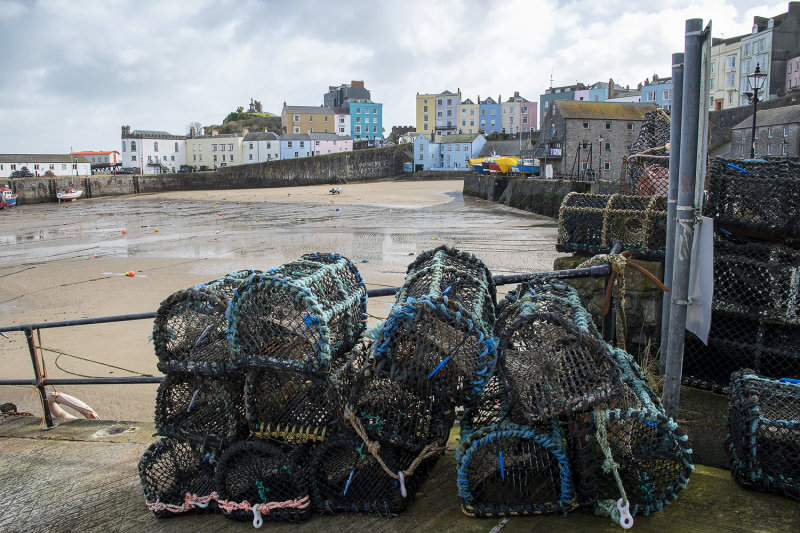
[82, 476]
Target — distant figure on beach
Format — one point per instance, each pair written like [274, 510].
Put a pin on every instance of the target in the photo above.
[336, 190]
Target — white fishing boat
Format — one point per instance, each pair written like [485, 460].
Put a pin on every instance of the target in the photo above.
[70, 194]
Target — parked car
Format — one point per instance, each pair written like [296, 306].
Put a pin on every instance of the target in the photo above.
[184, 170]
[126, 171]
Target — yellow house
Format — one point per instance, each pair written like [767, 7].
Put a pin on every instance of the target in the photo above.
[426, 113]
[467, 117]
[302, 119]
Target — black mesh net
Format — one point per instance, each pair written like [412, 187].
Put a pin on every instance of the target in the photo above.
[346, 477]
[201, 409]
[755, 322]
[759, 196]
[303, 315]
[646, 170]
[189, 332]
[591, 223]
[764, 433]
[225, 287]
[174, 472]
[265, 476]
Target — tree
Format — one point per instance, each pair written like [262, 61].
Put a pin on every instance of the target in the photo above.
[240, 109]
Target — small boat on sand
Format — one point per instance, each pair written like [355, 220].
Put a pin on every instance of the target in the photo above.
[7, 197]
[505, 163]
[476, 164]
[529, 167]
[69, 194]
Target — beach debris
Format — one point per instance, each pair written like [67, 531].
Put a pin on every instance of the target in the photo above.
[130, 273]
[156, 230]
[124, 232]
[94, 256]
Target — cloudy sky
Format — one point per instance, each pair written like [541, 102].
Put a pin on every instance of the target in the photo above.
[73, 71]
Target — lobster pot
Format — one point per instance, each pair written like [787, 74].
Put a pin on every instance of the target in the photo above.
[760, 196]
[201, 409]
[171, 469]
[436, 349]
[256, 474]
[769, 347]
[302, 316]
[551, 367]
[346, 477]
[190, 333]
[544, 295]
[647, 174]
[226, 286]
[460, 276]
[396, 416]
[757, 279]
[764, 433]
[653, 455]
[591, 223]
[491, 410]
[511, 470]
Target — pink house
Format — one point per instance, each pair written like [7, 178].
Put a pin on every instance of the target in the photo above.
[793, 73]
[329, 143]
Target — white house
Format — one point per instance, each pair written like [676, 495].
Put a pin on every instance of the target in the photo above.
[258, 147]
[295, 145]
[446, 152]
[152, 152]
[329, 143]
[341, 121]
[39, 164]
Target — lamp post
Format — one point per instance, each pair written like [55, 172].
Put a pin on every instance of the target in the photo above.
[600, 166]
[756, 83]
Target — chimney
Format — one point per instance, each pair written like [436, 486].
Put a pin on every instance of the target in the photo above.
[611, 89]
[192, 132]
[516, 94]
[355, 83]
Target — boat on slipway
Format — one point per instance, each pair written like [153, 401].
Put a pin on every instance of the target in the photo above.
[7, 197]
[70, 194]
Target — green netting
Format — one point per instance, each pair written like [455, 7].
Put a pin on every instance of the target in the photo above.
[303, 315]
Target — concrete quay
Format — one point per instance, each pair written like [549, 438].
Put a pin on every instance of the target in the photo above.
[82, 476]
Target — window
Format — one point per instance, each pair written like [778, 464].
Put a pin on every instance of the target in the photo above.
[785, 131]
[483, 112]
[713, 67]
[296, 154]
[744, 66]
[316, 143]
[374, 129]
[311, 118]
[439, 101]
[493, 123]
[222, 147]
[449, 112]
[289, 145]
[730, 97]
[133, 158]
[424, 109]
[123, 146]
[651, 96]
[155, 146]
[769, 149]
[53, 167]
[341, 129]
[756, 135]
[358, 119]
[230, 147]
[713, 83]
[326, 118]
[524, 120]
[302, 144]
[630, 126]
[176, 147]
[296, 129]
[730, 79]
[296, 118]
[213, 147]
[583, 165]
[251, 146]
[783, 149]
[463, 122]
[493, 111]
[608, 125]
[472, 112]
[586, 125]
[374, 110]
[741, 152]
[36, 166]
[607, 165]
[471, 122]
[730, 61]
[584, 145]
[215, 158]
[769, 132]
[511, 110]
[133, 146]
[608, 147]
[666, 94]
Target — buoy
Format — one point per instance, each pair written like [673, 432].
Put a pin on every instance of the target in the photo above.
[220, 214]
[124, 232]
[156, 230]
[130, 274]
[256, 220]
[337, 208]
[94, 256]
[433, 238]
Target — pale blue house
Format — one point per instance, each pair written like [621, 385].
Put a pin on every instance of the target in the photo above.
[295, 145]
[658, 91]
[446, 152]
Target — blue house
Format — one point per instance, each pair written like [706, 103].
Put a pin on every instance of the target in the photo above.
[295, 145]
[366, 121]
[490, 114]
[658, 91]
[446, 152]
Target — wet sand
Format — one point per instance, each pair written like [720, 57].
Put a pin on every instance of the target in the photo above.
[49, 272]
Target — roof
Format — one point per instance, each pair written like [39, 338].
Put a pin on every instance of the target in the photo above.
[101, 152]
[468, 102]
[310, 109]
[488, 100]
[314, 136]
[448, 139]
[261, 136]
[295, 137]
[446, 92]
[42, 158]
[218, 135]
[772, 117]
[508, 148]
[150, 132]
[341, 110]
[604, 110]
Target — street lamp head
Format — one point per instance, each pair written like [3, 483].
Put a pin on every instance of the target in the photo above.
[756, 80]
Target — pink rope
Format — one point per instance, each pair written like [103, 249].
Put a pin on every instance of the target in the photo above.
[190, 501]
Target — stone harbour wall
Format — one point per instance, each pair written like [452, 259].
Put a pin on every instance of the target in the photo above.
[345, 167]
[540, 196]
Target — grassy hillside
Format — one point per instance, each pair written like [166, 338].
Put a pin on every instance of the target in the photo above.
[235, 122]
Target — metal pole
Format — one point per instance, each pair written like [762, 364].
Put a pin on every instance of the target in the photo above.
[753, 133]
[37, 371]
[672, 197]
[684, 228]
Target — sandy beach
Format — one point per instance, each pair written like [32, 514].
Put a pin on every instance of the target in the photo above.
[69, 261]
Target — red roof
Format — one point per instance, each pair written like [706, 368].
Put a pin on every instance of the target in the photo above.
[106, 152]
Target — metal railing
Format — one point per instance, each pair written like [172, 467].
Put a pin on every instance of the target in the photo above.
[40, 381]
